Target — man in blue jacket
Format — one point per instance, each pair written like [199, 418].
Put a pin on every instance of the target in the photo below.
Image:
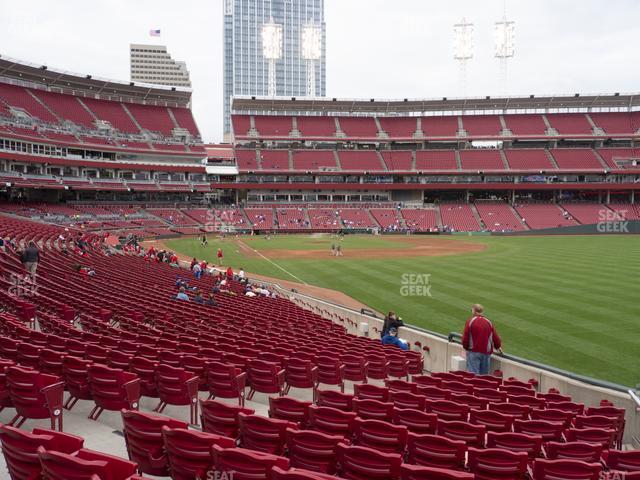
[391, 338]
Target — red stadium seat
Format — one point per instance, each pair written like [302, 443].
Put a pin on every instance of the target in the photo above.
[290, 409]
[448, 410]
[84, 465]
[379, 435]
[549, 431]
[496, 464]
[221, 418]
[371, 392]
[246, 464]
[76, 380]
[331, 421]
[143, 437]
[226, 381]
[493, 421]
[585, 452]
[312, 450]
[622, 461]
[298, 474]
[189, 452]
[467, 432]
[35, 395]
[361, 463]
[565, 469]
[265, 377]
[176, 386]
[416, 472]
[333, 399]
[331, 371]
[600, 436]
[263, 434]
[112, 389]
[300, 373]
[146, 371]
[516, 442]
[372, 409]
[416, 421]
[20, 448]
[436, 451]
[401, 399]
[355, 368]
[401, 386]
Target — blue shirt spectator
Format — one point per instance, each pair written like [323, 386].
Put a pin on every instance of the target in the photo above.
[392, 339]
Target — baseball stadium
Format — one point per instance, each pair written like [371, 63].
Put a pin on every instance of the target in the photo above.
[291, 305]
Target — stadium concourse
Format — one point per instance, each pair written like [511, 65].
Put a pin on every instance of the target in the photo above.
[293, 394]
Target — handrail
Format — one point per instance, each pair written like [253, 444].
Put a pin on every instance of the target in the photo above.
[455, 337]
[634, 396]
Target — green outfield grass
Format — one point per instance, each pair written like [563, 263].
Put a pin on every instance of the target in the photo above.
[572, 302]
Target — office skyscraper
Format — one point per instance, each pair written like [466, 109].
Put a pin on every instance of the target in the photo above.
[294, 40]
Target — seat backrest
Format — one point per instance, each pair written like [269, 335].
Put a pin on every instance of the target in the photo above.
[20, 448]
[435, 451]
[625, 460]
[585, 452]
[549, 431]
[566, 469]
[516, 442]
[222, 418]
[467, 432]
[361, 463]
[290, 409]
[334, 399]
[417, 472]
[365, 391]
[246, 464]
[84, 465]
[493, 421]
[372, 409]
[601, 436]
[143, 437]
[189, 451]
[382, 436]
[263, 434]
[448, 410]
[416, 421]
[396, 385]
[496, 463]
[298, 474]
[331, 420]
[312, 450]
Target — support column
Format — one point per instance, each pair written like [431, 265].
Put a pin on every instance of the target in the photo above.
[608, 197]
[633, 196]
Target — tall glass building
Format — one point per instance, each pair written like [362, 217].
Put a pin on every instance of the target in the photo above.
[246, 70]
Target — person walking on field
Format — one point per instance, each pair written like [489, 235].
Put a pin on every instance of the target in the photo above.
[479, 339]
[219, 257]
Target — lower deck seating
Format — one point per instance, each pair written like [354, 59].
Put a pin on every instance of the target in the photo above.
[544, 216]
[419, 220]
[459, 217]
[498, 217]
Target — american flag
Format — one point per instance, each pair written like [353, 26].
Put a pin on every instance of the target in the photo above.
[154, 33]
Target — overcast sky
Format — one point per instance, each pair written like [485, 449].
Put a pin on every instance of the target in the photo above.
[375, 48]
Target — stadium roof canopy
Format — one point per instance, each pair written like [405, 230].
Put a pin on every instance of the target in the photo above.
[519, 104]
[56, 80]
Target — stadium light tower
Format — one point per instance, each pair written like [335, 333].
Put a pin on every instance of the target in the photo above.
[463, 47]
[272, 51]
[311, 52]
[505, 34]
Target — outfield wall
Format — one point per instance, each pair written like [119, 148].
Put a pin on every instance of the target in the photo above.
[602, 228]
[439, 351]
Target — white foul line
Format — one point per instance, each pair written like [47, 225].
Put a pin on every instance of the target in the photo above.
[274, 263]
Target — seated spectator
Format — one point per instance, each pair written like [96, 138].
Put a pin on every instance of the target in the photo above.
[182, 295]
[211, 301]
[392, 339]
[198, 297]
[229, 273]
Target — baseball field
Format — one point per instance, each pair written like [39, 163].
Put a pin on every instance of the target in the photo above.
[569, 301]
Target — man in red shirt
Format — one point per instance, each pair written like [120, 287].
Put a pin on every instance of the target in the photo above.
[219, 257]
[479, 339]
